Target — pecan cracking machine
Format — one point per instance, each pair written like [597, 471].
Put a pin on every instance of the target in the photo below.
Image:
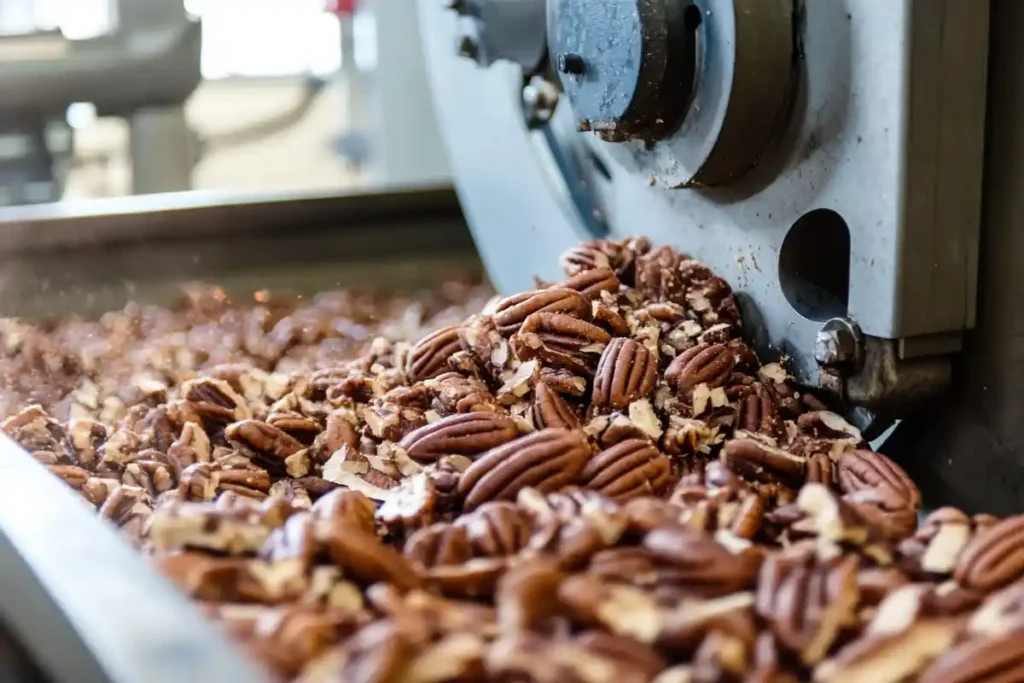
[849, 166]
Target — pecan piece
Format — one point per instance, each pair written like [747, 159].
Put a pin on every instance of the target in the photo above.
[215, 401]
[758, 460]
[513, 310]
[274, 445]
[346, 507]
[626, 372]
[807, 602]
[995, 558]
[497, 529]
[365, 559]
[527, 594]
[550, 410]
[936, 546]
[548, 460]
[862, 470]
[591, 283]
[439, 544]
[429, 356]
[629, 469]
[708, 567]
[703, 364]
[561, 341]
[466, 434]
[979, 661]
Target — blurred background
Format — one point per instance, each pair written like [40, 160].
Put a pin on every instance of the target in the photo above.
[121, 97]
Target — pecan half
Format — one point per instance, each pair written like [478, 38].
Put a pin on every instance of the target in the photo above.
[862, 470]
[591, 283]
[626, 372]
[807, 602]
[548, 460]
[366, 559]
[466, 434]
[995, 558]
[439, 544]
[560, 341]
[261, 437]
[513, 310]
[629, 469]
[979, 661]
[551, 411]
[497, 529]
[429, 356]
[706, 566]
[590, 255]
[703, 364]
[758, 460]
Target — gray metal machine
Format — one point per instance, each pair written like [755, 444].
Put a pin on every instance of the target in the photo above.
[143, 71]
[848, 165]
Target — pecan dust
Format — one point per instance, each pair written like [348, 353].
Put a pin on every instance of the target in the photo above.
[595, 481]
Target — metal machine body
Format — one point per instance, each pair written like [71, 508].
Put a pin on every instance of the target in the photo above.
[824, 157]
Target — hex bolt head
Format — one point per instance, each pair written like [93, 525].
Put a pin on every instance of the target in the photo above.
[837, 344]
[571, 63]
[467, 47]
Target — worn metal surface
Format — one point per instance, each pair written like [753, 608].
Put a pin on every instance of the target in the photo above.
[512, 30]
[886, 130]
[84, 604]
[95, 256]
[968, 450]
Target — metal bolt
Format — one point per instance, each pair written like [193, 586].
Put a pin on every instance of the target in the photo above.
[837, 345]
[539, 101]
[571, 63]
[468, 47]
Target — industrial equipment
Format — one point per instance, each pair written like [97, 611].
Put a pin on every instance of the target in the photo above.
[826, 158]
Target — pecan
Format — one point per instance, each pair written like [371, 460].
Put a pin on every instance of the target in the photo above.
[230, 579]
[593, 254]
[591, 283]
[381, 652]
[658, 275]
[411, 505]
[572, 524]
[994, 558]
[527, 595]
[439, 544]
[497, 529]
[866, 470]
[548, 459]
[304, 429]
[978, 661]
[758, 460]
[272, 445]
[75, 477]
[634, 654]
[466, 434]
[1001, 613]
[936, 546]
[626, 372]
[513, 310]
[609, 318]
[710, 568]
[703, 364]
[807, 602]
[820, 470]
[191, 446]
[203, 526]
[365, 559]
[627, 470]
[429, 356]
[289, 637]
[622, 610]
[215, 401]
[758, 413]
[550, 410]
[561, 341]
[347, 507]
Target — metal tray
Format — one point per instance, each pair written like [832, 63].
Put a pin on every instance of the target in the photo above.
[79, 604]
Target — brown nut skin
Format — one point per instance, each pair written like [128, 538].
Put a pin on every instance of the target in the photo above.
[757, 460]
[560, 341]
[993, 660]
[546, 460]
[995, 558]
[709, 568]
[551, 411]
[513, 310]
[710, 364]
[591, 283]
[629, 469]
[626, 372]
[466, 434]
[862, 469]
[429, 356]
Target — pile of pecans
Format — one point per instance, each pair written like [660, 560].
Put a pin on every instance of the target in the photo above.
[594, 481]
